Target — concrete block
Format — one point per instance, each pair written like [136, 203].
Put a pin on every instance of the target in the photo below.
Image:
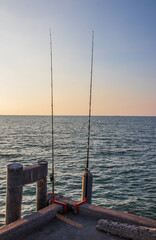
[87, 180]
[14, 190]
[34, 173]
[28, 224]
[126, 231]
[41, 194]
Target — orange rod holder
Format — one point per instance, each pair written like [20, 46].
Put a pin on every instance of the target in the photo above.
[61, 203]
[79, 203]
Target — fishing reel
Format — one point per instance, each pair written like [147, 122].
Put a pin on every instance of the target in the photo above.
[88, 169]
[51, 177]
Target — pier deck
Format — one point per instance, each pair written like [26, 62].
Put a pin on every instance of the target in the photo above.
[50, 223]
[70, 227]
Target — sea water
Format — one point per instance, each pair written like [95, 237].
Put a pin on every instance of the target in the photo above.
[122, 158]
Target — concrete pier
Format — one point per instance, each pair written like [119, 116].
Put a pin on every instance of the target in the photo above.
[46, 224]
[87, 180]
[41, 194]
[53, 223]
[35, 172]
[17, 176]
[14, 192]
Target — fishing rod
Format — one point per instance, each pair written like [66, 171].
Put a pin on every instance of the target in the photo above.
[87, 176]
[90, 102]
[52, 118]
[52, 131]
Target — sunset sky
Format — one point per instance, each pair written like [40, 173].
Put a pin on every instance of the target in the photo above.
[124, 74]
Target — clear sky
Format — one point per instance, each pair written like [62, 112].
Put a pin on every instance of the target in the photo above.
[124, 74]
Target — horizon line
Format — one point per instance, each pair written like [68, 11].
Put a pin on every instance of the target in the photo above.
[64, 115]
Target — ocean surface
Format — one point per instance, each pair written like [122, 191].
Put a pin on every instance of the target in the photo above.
[122, 158]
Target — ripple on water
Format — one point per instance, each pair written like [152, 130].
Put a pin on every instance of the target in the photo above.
[122, 158]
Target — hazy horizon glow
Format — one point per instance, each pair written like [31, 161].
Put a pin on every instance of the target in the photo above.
[124, 74]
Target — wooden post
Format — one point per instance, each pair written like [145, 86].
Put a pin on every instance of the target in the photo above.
[87, 178]
[14, 191]
[41, 190]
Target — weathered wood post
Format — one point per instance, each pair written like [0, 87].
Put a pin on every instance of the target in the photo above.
[87, 179]
[41, 187]
[14, 190]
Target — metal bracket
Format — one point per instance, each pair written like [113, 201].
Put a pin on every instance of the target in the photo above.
[61, 203]
[79, 203]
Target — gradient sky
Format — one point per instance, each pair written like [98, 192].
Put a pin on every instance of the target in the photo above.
[124, 75]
